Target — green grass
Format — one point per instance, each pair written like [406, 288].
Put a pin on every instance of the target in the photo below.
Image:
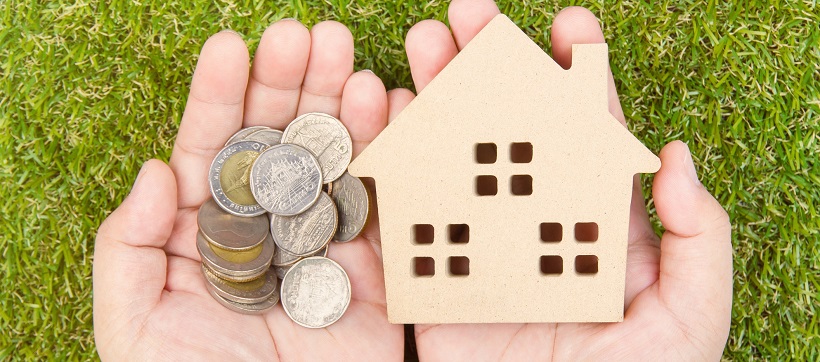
[89, 91]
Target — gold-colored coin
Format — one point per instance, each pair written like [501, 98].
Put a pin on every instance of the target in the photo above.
[239, 257]
[233, 271]
[229, 178]
[254, 291]
[228, 231]
[235, 177]
[254, 308]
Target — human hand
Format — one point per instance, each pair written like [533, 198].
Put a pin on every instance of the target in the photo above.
[678, 289]
[150, 300]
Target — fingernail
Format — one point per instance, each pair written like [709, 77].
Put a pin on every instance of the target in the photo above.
[136, 186]
[689, 164]
[290, 19]
[369, 71]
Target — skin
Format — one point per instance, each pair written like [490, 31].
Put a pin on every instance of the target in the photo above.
[150, 300]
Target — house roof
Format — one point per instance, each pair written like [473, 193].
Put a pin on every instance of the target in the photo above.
[503, 72]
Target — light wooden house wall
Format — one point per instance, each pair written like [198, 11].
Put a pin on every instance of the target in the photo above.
[512, 165]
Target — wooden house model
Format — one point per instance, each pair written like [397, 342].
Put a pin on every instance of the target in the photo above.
[504, 188]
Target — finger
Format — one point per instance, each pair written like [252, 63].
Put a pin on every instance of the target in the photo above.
[364, 108]
[129, 264]
[397, 100]
[182, 241]
[696, 249]
[185, 275]
[468, 17]
[329, 65]
[577, 25]
[429, 48]
[213, 113]
[276, 76]
[363, 264]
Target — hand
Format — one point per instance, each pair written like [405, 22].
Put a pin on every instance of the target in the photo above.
[150, 300]
[678, 289]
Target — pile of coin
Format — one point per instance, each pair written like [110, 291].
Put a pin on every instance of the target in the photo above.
[279, 198]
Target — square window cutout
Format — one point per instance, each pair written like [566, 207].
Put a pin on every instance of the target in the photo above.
[551, 264]
[586, 264]
[458, 265]
[424, 266]
[486, 185]
[521, 185]
[458, 233]
[586, 232]
[486, 153]
[423, 233]
[521, 152]
[551, 232]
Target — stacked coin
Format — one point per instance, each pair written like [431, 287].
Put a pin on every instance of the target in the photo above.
[279, 198]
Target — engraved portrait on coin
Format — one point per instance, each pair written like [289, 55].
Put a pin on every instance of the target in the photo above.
[326, 138]
[229, 178]
[315, 292]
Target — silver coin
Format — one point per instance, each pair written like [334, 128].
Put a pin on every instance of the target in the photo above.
[281, 270]
[353, 205]
[306, 233]
[315, 292]
[324, 136]
[255, 308]
[283, 258]
[236, 270]
[229, 178]
[228, 231]
[268, 136]
[285, 179]
[254, 291]
[240, 135]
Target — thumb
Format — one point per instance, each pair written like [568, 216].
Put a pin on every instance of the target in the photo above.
[129, 263]
[696, 250]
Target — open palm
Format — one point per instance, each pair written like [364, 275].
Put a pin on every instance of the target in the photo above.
[150, 300]
[678, 289]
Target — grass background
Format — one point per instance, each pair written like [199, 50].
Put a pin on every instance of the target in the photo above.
[90, 90]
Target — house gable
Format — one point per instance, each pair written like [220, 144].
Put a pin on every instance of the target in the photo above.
[501, 56]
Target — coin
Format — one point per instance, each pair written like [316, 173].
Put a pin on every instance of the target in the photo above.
[281, 270]
[324, 136]
[240, 135]
[353, 205]
[229, 178]
[285, 179]
[238, 257]
[255, 308]
[234, 271]
[228, 231]
[307, 232]
[282, 257]
[254, 291]
[315, 292]
[268, 136]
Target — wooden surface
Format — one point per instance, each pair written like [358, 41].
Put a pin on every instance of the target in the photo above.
[503, 89]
